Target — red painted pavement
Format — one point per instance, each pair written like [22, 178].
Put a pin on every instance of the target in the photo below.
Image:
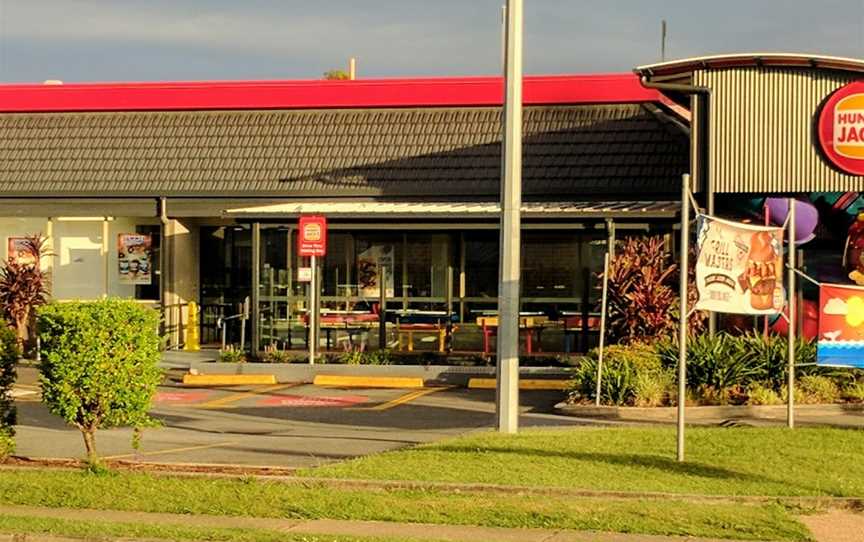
[320, 94]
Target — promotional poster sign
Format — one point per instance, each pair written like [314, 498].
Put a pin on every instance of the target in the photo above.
[313, 236]
[841, 326]
[739, 267]
[134, 258]
[841, 128]
[368, 263]
[19, 251]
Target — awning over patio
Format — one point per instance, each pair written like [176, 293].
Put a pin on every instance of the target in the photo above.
[459, 210]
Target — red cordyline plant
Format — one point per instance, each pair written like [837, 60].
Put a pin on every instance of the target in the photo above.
[643, 293]
[24, 285]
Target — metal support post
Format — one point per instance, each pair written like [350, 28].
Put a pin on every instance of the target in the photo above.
[382, 307]
[684, 310]
[792, 324]
[507, 388]
[312, 311]
[602, 327]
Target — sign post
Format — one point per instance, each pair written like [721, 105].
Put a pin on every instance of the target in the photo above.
[313, 244]
[793, 327]
[682, 317]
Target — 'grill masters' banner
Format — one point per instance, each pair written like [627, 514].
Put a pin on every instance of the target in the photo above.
[841, 326]
[739, 267]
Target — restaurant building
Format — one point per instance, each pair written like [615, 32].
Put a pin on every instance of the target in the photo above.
[179, 192]
[215, 175]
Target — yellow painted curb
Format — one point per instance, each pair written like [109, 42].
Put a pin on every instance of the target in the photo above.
[227, 380]
[535, 384]
[368, 381]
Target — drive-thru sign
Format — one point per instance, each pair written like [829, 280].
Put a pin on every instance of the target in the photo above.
[312, 243]
[313, 236]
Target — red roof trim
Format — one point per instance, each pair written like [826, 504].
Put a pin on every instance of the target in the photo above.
[319, 94]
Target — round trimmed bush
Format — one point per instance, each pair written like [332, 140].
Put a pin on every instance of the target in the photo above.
[99, 364]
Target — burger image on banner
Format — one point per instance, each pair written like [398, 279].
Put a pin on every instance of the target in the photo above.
[739, 266]
[761, 275]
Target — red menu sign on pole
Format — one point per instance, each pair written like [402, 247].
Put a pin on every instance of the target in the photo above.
[313, 236]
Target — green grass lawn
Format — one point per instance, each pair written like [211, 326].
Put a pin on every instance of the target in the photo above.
[253, 498]
[99, 530]
[720, 461]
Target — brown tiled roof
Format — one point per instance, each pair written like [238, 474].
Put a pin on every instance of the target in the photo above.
[569, 151]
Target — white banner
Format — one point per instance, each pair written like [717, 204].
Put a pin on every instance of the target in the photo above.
[739, 268]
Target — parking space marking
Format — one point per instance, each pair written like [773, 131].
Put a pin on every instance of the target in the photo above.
[227, 400]
[404, 399]
[172, 450]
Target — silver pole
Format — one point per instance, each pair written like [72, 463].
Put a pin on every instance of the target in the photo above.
[312, 311]
[602, 326]
[682, 319]
[791, 335]
[507, 389]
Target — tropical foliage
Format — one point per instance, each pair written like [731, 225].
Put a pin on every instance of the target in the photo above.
[643, 292]
[24, 286]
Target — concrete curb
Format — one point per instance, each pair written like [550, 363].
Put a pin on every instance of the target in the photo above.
[438, 375]
[524, 384]
[228, 379]
[701, 413]
[347, 381]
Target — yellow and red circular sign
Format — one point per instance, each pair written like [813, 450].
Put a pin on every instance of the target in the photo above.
[841, 128]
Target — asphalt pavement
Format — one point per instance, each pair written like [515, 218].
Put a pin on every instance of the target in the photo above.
[284, 425]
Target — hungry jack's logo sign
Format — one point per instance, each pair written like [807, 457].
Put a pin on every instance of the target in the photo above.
[841, 128]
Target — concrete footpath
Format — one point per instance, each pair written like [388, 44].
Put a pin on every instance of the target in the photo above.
[442, 533]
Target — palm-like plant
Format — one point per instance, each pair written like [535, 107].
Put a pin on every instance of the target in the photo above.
[24, 286]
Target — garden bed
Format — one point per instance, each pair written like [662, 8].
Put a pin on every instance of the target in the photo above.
[702, 413]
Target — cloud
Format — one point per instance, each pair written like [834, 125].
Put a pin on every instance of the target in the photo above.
[836, 306]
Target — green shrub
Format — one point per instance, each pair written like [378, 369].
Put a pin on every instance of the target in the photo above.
[365, 357]
[760, 394]
[232, 355]
[817, 389]
[734, 362]
[653, 388]
[7, 443]
[272, 354]
[9, 353]
[99, 365]
[620, 379]
[854, 392]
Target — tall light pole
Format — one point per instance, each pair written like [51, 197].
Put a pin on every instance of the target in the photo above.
[507, 389]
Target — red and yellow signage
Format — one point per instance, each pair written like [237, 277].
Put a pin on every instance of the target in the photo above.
[313, 236]
[841, 128]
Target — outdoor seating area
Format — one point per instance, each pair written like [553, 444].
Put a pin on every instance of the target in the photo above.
[435, 331]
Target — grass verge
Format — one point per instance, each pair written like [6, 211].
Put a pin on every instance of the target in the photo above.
[720, 461]
[99, 530]
[271, 499]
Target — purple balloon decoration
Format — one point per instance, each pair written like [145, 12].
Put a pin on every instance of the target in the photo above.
[806, 217]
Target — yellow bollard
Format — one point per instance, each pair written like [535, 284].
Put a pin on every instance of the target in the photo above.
[193, 340]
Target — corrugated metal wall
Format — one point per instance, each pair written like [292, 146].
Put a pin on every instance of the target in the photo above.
[762, 130]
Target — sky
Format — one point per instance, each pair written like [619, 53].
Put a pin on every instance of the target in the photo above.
[157, 40]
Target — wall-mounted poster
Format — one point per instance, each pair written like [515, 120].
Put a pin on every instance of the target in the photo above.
[841, 326]
[134, 258]
[19, 251]
[368, 263]
[739, 267]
